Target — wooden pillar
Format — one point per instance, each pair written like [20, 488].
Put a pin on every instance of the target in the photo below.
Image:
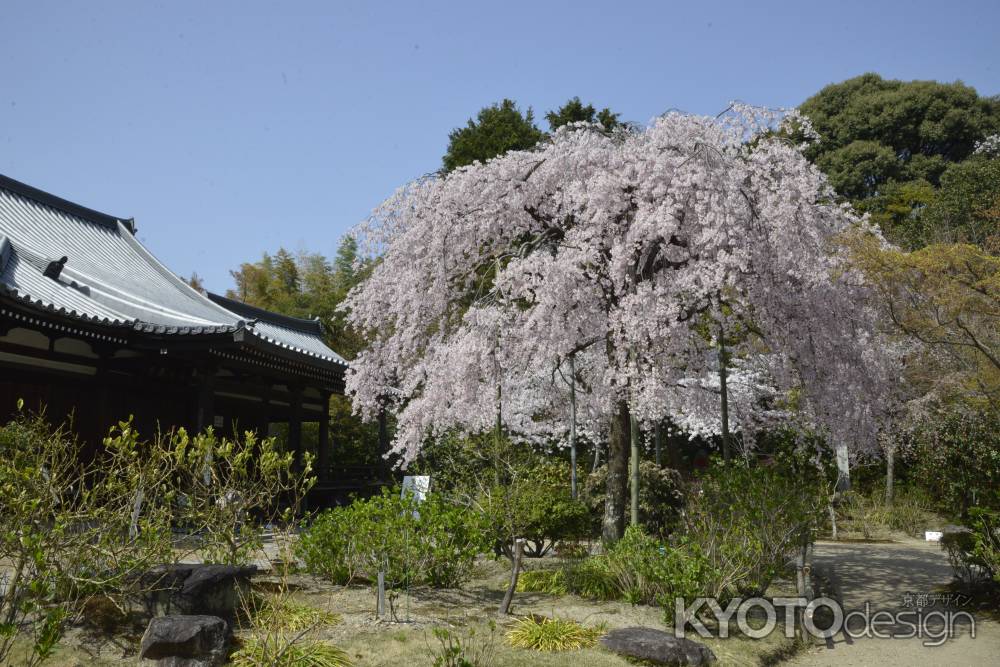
[323, 455]
[295, 426]
[206, 400]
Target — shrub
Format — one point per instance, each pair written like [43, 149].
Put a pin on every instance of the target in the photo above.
[650, 572]
[229, 488]
[870, 515]
[474, 650]
[986, 533]
[638, 568]
[974, 554]
[749, 521]
[521, 493]
[552, 582]
[541, 633]
[72, 531]
[592, 578]
[967, 446]
[278, 651]
[661, 498]
[534, 503]
[433, 542]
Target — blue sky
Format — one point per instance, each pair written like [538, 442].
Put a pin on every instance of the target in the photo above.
[231, 128]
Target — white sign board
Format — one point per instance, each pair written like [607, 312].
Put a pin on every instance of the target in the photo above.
[933, 535]
[418, 485]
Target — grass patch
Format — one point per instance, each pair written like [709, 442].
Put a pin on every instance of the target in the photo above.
[542, 633]
[271, 611]
[275, 652]
[552, 582]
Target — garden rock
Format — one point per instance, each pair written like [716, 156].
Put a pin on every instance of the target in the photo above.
[657, 647]
[197, 589]
[185, 641]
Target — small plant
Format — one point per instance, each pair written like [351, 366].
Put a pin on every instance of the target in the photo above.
[541, 633]
[271, 610]
[475, 650]
[278, 651]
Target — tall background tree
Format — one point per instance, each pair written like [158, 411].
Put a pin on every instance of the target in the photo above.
[310, 285]
[497, 129]
[887, 146]
[502, 127]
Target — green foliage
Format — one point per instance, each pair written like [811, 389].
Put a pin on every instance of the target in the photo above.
[637, 568]
[661, 498]
[273, 610]
[974, 554]
[77, 530]
[309, 286]
[650, 572]
[542, 633]
[276, 651]
[592, 578]
[552, 582]
[956, 460]
[986, 536]
[883, 142]
[433, 542]
[497, 129]
[474, 650]
[228, 488]
[521, 493]
[967, 207]
[925, 124]
[536, 505]
[574, 111]
[872, 517]
[898, 209]
[748, 521]
[70, 530]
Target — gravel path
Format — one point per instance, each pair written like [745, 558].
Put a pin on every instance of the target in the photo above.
[890, 577]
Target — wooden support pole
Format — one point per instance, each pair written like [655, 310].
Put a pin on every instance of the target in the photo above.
[323, 455]
[295, 427]
[206, 400]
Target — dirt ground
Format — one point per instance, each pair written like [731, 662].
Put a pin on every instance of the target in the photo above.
[409, 639]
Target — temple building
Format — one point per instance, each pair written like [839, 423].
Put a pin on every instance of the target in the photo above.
[94, 328]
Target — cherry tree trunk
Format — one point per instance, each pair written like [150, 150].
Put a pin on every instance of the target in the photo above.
[616, 497]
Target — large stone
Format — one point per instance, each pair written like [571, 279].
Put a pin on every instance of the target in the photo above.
[196, 589]
[656, 646]
[185, 641]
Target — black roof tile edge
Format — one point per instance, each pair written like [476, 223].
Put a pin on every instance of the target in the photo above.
[313, 327]
[64, 205]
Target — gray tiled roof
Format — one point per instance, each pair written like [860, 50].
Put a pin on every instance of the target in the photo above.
[112, 279]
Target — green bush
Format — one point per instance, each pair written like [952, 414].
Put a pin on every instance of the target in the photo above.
[592, 578]
[433, 542]
[974, 554]
[986, 532]
[638, 569]
[869, 515]
[661, 498]
[956, 460]
[552, 582]
[521, 493]
[749, 521]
